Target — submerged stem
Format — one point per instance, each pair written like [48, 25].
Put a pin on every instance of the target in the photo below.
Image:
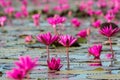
[68, 63]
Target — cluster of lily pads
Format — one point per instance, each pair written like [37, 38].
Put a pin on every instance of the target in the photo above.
[106, 9]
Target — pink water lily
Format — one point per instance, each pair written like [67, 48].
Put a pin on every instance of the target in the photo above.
[2, 20]
[18, 15]
[47, 39]
[96, 24]
[95, 50]
[15, 74]
[82, 33]
[26, 63]
[36, 19]
[67, 41]
[54, 64]
[108, 31]
[75, 22]
[54, 21]
[9, 10]
[24, 11]
[110, 16]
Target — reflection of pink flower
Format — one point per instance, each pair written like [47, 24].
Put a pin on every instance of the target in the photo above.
[26, 63]
[15, 74]
[54, 64]
[82, 33]
[108, 31]
[96, 24]
[36, 18]
[2, 20]
[75, 22]
[95, 50]
[67, 40]
[28, 38]
[109, 56]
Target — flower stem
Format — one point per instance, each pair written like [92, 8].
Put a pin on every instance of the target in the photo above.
[55, 30]
[48, 55]
[111, 48]
[68, 63]
[28, 76]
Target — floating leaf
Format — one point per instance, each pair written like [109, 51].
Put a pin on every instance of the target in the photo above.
[81, 72]
[106, 76]
[82, 40]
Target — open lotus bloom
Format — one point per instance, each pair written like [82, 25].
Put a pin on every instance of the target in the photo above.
[67, 40]
[26, 63]
[2, 20]
[56, 20]
[82, 33]
[9, 10]
[96, 24]
[47, 38]
[18, 15]
[15, 74]
[95, 50]
[54, 64]
[75, 22]
[110, 16]
[36, 18]
[109, 31]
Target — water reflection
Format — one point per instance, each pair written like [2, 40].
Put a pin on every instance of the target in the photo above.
[96, 62]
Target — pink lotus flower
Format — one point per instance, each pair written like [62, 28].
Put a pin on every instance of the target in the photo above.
[36, 19]
[110, 16]
[24, 2]
[56, 20]
[67, 41]
[15, 74]
[95, 50]
[9, 10]
[2, 20]
[102, 4]
[18, 15]
[24, 11]
[82, 33]
[96, 24]
[82, 6]
[26, 63]
[108, 31]
[54, 64]
[28, 38]
[47, 39]
[75, 22]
